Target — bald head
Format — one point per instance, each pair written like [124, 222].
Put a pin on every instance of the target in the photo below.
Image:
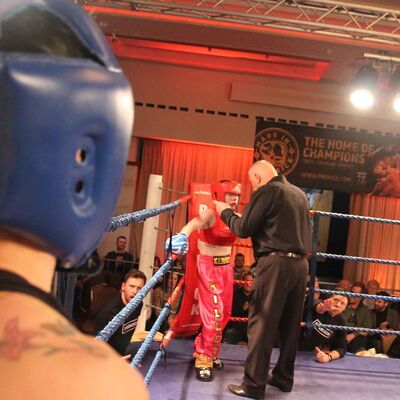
[260, 173]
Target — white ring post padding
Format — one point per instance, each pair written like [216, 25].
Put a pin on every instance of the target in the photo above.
[149, 238]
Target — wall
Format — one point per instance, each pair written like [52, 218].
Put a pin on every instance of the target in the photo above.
[201, 105]
[243, 95]
[124, 205]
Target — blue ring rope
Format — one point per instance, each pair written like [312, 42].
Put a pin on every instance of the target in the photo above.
[140, 216]
[353, 258]
[315, 254]
[356, 329]
[147, 342]
[356, 217]
[362, 295]
[153, 366]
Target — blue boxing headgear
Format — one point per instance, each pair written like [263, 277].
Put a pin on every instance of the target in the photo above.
[66, 113]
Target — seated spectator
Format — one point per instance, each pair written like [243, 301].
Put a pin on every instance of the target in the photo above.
[358, 315]
[179, 265]
[383, 317]
[328, 344]
[372, 288]
[134, 281]
[238, 267]
[343, 285]
[123, 260]
[236, 332]
[159, 296]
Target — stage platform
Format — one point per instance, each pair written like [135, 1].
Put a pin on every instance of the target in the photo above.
[351, 378]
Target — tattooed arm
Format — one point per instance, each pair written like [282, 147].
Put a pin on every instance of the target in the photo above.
[42, 356]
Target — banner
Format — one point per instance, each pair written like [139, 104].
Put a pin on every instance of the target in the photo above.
[323, 158]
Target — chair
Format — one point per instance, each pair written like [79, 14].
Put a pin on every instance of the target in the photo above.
[100, 295]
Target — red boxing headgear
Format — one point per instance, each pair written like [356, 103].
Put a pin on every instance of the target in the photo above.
[221, 188]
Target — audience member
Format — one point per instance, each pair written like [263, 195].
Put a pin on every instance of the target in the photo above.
[159, 296]
[343, 285]
[383, 317]
[123, 260]
[238, 266]
[358, 315]
[328, 344]
[179, 265]
[236, 332]
[134, 281]
[372, 288]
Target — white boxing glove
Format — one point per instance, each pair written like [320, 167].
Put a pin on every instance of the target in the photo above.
[179, 244]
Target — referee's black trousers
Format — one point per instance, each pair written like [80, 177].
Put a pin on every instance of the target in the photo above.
[274, 316]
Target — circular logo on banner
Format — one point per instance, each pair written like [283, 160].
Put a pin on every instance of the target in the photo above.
[279, 147]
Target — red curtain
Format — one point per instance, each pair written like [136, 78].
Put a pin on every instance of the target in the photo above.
[181, 163]
[373, 239]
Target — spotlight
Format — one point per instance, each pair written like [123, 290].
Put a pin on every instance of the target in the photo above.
[362, 99]
[363, 87]
[395, 86]
[396, 103]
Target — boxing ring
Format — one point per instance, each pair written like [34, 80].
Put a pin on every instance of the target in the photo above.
[170, 369]
[350, 378]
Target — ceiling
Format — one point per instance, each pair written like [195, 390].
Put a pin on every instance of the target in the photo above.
[317, 40]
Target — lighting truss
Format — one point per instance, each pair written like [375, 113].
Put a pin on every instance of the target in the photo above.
[321, 17]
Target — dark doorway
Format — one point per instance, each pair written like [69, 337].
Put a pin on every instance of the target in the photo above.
[330, 269]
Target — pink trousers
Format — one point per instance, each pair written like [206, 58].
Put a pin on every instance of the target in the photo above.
[215, 285]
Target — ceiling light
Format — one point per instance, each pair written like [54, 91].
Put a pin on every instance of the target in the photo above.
[394, 85]
[362, 99]
[363, 87]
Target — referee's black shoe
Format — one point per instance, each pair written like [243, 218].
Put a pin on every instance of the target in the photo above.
[250, 393]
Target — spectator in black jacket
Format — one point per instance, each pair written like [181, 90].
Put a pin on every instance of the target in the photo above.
[123, 259]
[119, 341]
[327, 343]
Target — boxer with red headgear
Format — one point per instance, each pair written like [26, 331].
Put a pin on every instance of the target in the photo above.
[221, 188]
[215, 275]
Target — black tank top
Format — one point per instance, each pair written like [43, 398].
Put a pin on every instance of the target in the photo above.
[11, 282]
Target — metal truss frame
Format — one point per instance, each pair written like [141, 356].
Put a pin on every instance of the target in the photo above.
[320, 17]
